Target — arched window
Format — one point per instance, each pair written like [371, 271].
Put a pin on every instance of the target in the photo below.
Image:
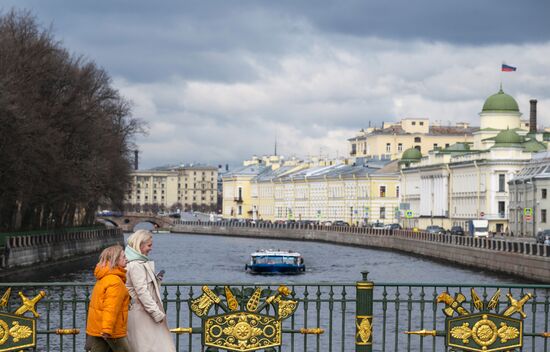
[417, 139]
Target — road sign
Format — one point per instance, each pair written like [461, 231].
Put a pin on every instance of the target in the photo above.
[528, 211]
[409, 214]
[481, 214]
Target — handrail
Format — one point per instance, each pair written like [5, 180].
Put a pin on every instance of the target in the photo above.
[490, 244]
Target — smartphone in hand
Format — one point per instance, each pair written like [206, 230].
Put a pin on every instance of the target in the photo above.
[160, 275]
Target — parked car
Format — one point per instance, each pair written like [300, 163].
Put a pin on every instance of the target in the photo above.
[340, 223]
[377, 225]
[456, 231]
[306, 223]
[392, 227]
[327, 223]
[435, 229]
[543, 236]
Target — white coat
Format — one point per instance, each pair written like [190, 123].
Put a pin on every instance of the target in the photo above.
[147, 327]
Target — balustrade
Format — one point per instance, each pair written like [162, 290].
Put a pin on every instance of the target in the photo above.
[361, 316]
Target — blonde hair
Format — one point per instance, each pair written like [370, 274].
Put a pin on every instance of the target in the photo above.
[110, 256]
[137, 238]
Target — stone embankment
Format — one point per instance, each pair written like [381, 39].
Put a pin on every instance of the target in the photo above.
[526, 260]
[21, 251]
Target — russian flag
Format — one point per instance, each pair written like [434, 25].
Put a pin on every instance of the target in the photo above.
[506, 68]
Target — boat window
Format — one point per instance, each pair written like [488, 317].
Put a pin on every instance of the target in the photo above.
[289, 260]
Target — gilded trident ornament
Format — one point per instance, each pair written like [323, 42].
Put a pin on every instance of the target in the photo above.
[248, 329]
[486, 330]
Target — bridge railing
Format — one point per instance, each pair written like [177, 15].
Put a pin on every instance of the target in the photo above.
[333, 307]
[486, 243]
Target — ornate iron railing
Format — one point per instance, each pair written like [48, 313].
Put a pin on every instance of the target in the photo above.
[359, 316]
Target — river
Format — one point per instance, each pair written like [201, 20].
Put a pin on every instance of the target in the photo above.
[207, 259]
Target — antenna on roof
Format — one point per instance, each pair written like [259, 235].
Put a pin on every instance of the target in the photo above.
[275, 145]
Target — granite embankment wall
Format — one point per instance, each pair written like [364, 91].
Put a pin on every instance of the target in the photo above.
[527, 260]
[25, 250]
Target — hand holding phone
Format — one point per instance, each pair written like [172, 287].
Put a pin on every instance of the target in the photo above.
[160, 275]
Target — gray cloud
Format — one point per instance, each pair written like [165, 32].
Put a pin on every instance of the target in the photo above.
[219, 80]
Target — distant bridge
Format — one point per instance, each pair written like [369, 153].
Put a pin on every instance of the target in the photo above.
[127, 221]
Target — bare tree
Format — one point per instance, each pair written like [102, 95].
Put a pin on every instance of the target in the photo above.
[66, 134]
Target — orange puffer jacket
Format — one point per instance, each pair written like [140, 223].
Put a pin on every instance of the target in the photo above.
[108, 311]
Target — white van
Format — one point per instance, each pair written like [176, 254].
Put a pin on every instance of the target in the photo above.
[478, 228]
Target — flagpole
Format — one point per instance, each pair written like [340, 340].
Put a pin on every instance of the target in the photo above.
[501, 74]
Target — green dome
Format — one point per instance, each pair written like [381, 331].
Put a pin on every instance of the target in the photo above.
[508, 137]
[411, 154]
[500, 102]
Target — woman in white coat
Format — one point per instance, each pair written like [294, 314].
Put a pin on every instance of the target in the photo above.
[147, 327]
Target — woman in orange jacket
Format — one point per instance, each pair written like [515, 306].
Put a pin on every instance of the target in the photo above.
[108, 310]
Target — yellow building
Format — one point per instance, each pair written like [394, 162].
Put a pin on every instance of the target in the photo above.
[314, 190]
[390, 141]
[185, 187]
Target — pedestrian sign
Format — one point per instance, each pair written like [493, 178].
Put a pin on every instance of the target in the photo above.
[409, 214]
[528, 211]
[528, 217]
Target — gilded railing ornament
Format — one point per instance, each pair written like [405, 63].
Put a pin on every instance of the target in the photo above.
[486, 330]
[242, 326]
[364, 329]
[16, 331]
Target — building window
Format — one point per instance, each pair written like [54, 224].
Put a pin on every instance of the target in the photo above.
[382, 191]
[397, 191]
[543, 193]
[382, 212]
[421, 123]
[388, 147]
[400, 147]
[240, 210]
[501, 182]
[417, 147]
[413, 123]
[446, 145]
[435, 146]
[543, 215]
[501, 209]
[417, 139]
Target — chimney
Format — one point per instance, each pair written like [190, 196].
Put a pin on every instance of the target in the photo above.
[136, 158]
[533, 116]
[226, 167]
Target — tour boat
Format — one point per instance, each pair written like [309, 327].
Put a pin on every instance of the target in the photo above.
[275, 262]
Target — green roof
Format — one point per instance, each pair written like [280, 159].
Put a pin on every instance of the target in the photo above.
[411, 154]
[500, 102]
[534, 146]
[508, 137]
[458, 147]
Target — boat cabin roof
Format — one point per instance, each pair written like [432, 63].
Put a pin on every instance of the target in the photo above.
[274, 253]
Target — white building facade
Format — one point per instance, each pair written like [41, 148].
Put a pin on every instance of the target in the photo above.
[470, 181]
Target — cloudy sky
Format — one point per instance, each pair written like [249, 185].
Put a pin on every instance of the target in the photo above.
[219, 81]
